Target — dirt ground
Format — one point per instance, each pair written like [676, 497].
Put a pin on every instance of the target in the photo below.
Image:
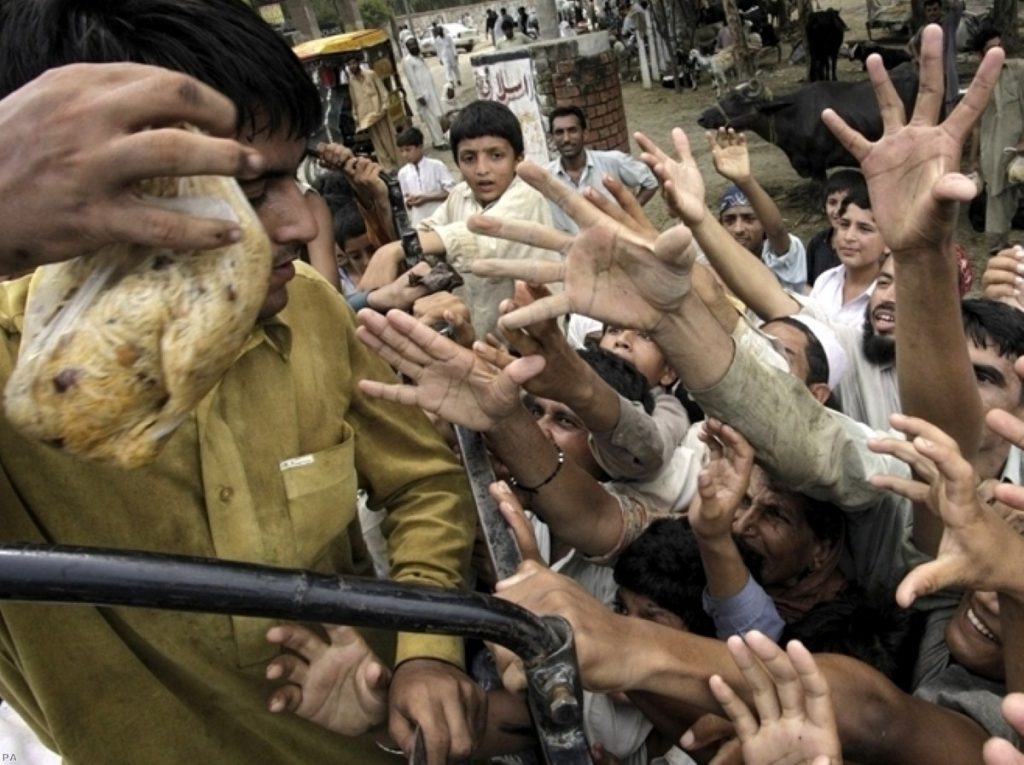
[656, 111]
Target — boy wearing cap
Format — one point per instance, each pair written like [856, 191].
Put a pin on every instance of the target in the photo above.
[752, 217]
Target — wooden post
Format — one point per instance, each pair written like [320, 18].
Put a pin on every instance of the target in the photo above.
[740, 50]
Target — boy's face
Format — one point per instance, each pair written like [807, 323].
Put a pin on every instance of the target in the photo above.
[411, 154]
[638, 606]
[832, 204]
[639, 350]
[488, 165]
[357, 253]
[857, 241]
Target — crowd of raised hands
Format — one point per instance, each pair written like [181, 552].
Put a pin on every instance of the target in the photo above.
[775, 703]
[779, 704]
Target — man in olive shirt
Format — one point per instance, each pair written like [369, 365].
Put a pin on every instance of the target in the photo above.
[266, 470]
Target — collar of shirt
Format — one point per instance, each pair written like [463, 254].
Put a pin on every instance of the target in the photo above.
[275, 333]
[561, 172]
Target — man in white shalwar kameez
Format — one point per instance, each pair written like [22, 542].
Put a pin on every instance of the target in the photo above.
[421, 84]
[446, 53]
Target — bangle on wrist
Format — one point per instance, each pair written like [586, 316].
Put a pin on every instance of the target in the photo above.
[534, 489]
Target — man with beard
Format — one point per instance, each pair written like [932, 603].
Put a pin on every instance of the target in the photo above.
[582, 168]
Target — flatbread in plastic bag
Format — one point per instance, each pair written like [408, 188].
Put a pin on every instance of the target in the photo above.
[121, 344]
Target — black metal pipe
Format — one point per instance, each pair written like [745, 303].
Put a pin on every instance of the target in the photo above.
[57, 574]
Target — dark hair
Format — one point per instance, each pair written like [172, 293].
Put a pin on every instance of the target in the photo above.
[817, 360]
[991, 323]
[348, 224]
[334, 187]
[846, 180]
[664, 565]
[224, 43]
[621, 374]
[567, 111]
[486, 118]
[985, 33]
[871, 629]
[856, 196]
[411, 136]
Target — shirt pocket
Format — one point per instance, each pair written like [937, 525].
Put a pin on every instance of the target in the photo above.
[321, 492]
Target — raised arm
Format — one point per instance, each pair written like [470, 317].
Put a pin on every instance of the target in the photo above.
[735, 602]
[732, 161]
[912, 173]
[683, 187]
[981, 546]
[455, 383]
[879, 723]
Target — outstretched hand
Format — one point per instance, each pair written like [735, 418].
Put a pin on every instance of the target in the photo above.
[563, 368]
[724, 480]
[340, 684]
[682, 184]
[913, 170]
[978, 548]
[730, 154]
[795, 722]
[611, 272]
[450, 381]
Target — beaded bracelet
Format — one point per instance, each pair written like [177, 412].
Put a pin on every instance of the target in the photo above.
[546, 481]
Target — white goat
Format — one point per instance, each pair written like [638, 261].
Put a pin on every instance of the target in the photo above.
[719, 65]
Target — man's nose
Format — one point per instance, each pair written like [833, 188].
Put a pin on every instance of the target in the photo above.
[290, 220]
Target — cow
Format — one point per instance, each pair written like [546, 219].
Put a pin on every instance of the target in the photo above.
[891, 57]
[825, 30]
[793, 122]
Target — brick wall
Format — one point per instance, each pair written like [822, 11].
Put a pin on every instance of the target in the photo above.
[582, 71]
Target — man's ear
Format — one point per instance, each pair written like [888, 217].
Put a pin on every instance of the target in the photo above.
[820, 391]
[820, 553]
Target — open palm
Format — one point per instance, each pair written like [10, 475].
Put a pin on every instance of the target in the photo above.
[611, 272]
[912, 171]
[450, 381]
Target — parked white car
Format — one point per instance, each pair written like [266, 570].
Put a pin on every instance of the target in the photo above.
[465, 38]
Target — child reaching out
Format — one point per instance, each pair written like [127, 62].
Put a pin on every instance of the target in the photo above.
[340, 684]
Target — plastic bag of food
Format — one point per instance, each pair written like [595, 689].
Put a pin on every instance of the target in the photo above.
[121, 344]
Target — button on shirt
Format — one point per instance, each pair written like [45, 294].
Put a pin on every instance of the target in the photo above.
[632, 172]
[265, 470]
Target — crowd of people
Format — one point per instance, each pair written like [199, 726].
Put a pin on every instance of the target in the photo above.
[783, 525]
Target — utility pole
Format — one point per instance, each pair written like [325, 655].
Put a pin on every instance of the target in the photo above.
[349, 15]
[301, 14]
[547, 18]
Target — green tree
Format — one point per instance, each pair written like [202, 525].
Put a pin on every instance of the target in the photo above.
[376, 13]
